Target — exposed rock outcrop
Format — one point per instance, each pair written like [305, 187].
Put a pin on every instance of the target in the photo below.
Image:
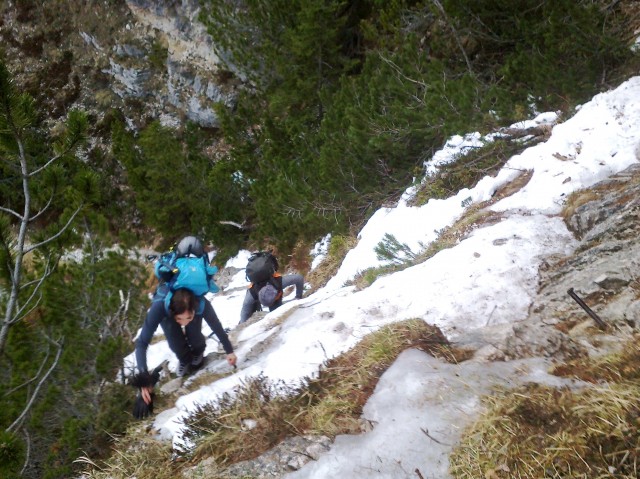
[603, 271]
[101, 55]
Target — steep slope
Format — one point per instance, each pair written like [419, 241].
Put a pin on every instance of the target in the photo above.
[500, 293]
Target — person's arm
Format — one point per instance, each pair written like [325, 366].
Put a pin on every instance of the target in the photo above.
[248, 307]
[294, 279]
[212, 320]
[154, 316]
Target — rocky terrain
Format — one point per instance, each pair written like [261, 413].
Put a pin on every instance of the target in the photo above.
[149, 59]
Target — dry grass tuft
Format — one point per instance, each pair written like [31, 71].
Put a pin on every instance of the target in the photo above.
[622, 366]
[240, 426]
[540, 431]
[577, 199]
[338, 249]
[260, 413]
[137, 455]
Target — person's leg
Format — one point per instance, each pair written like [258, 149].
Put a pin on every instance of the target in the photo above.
[177, 343]
[197, 341]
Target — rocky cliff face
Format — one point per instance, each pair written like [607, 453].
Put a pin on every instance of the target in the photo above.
[151, 59]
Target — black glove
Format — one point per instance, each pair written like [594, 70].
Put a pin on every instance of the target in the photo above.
[141, 409]
[144, 380]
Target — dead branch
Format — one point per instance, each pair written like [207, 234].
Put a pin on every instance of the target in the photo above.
[27, 454]
[59, 233]
[233, 223]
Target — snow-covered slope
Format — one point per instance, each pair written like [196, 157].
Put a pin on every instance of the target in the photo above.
[489, 278]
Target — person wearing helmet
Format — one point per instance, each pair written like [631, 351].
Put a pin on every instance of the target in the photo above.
[190, 245]
[180, 313]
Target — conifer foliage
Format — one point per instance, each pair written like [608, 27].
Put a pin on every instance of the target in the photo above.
[343, 102]
[45, 190]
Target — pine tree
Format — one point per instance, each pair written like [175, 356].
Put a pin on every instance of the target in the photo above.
[47, 181]
[44, 189]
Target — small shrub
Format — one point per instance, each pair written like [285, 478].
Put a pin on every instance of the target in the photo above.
[158, 55]
[390, 249]
[105, 98]
[11, 454]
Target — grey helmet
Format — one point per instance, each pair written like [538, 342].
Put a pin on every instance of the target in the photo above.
[190, 245]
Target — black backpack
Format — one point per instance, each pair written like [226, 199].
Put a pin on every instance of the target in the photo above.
[261, 267]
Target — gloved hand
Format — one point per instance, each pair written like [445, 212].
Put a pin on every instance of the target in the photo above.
[144, 379]
[141, 409]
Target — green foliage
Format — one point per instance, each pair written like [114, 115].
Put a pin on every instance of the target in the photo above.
[158, 55]
[391, 250]
[77, 410]
[113, 415]
[12, 451]
[347, 101]
[168, 178]
[549, 52]
[294, 52]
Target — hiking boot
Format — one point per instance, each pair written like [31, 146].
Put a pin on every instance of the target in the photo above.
[197, 360]
[183, 369]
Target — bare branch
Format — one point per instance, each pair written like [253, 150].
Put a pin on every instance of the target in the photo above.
[11, 212]
[455, 34]
[47, 164]
[26, 383]
[59, 233]
[27, 455]
[400, 73]
[47, 272]
[19, 312]
[233, 223]
[45, 208]
[18, 315]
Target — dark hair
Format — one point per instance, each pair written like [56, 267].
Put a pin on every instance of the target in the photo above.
[182, 300]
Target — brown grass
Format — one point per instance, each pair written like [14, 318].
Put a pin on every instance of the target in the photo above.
[260, 413]
[338, 249]
[539, 431]
[137, 455]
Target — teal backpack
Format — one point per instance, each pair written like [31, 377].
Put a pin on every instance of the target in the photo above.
[186, 265]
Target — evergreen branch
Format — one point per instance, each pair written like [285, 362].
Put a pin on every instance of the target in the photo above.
[21, 417]
[59, 233]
